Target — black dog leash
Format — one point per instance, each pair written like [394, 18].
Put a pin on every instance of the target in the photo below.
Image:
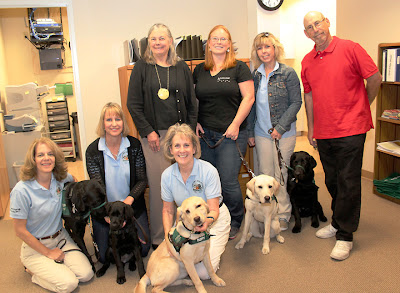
[65, 251]
[201, 134]
[280, 159]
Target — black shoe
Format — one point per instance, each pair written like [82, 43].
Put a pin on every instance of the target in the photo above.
[233, 233]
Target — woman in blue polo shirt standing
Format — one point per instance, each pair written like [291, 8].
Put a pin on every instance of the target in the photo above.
[35, 207]
[190, 176]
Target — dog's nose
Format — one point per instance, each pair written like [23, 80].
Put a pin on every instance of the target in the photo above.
[197, 219]
[267, 198]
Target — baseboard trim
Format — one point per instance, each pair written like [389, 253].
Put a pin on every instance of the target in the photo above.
[367, 174]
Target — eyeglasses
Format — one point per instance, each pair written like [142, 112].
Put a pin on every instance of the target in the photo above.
[316, 24]
[265, 34]
[221, 40]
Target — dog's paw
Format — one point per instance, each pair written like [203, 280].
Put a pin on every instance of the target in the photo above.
[240, 244]
[315, 224]
[100, 273]
[132, 266]
[296, 229]
[265, 250]
[280, 238]
[219, 282]
[121, 280]
[187, 282]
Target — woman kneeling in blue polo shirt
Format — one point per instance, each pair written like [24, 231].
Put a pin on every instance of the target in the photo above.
[190, 176]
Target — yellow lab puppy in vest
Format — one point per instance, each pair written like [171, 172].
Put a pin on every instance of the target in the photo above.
[261, 212]
[187, 247]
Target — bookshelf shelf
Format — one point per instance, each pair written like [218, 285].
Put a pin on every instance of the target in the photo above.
[386, 129]
[388, 120]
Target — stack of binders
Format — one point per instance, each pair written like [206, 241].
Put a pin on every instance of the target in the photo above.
[391, 65]
[189, 47]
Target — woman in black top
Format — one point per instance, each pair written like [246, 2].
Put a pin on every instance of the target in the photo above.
[225, 90]
[160, 94]
[117, 160]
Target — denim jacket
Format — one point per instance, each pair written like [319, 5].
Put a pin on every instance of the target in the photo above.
[284, 99]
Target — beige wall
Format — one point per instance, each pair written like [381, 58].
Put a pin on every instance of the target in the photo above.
[369, 23]
[100, 35]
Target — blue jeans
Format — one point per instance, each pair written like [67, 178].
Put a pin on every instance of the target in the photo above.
[101, 231]
[227, 160]
[342, 159]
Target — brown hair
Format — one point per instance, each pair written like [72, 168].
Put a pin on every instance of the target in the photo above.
[266, 38]
[185, 130]
[113, 108]
[29, 169]
[230, 58]
[172, 58]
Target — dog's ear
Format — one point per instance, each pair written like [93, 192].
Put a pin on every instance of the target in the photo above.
[128, 211]
[292, 158]
[178, 214]
[313, 162]
[250, 185]
[276, 185]
[78, 195]
[108, 207]
[206, 205]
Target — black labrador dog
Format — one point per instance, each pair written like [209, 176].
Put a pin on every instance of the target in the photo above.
[124, 244]
[302, 190]
[81, 200]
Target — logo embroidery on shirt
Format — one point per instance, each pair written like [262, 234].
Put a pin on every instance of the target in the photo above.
[224, 79]
[197, 186]
[58, 190]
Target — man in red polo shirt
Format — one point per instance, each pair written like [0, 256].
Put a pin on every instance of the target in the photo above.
[338, 114]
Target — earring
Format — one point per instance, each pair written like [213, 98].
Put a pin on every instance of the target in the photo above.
[228, 50]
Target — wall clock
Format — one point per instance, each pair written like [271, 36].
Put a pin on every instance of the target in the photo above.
[270, 5]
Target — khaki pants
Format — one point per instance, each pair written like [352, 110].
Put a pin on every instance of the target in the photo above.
[54, 276]
[156, 163]
[269, 165]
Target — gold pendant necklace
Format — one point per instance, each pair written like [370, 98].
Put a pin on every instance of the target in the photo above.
[163, 93]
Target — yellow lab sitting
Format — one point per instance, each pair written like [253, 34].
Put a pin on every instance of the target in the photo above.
[261, 212]
[187, 248]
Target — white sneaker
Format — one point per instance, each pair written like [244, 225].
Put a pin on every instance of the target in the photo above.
[341, 251]
[326, 232]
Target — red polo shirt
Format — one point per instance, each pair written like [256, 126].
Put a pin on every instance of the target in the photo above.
[335, 77]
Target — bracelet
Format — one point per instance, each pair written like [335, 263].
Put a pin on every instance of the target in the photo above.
[210, 217]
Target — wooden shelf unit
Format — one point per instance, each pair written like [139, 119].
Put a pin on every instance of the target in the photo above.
[386, 129]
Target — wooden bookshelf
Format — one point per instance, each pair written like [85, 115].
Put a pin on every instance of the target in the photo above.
[386, 163]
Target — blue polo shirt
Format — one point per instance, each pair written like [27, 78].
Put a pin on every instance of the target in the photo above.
[41, 207]
[204, 182]
[117, 171]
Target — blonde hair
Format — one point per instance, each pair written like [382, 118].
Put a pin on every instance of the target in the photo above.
[182, 129]
[266, 38]
[172, 58]
[230, 58]
[29, 169]
[113, 108]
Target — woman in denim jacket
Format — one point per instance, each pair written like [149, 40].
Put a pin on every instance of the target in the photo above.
[273, 115]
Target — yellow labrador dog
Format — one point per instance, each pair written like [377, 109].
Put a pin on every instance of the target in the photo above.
[187, 247]
[261, 218]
